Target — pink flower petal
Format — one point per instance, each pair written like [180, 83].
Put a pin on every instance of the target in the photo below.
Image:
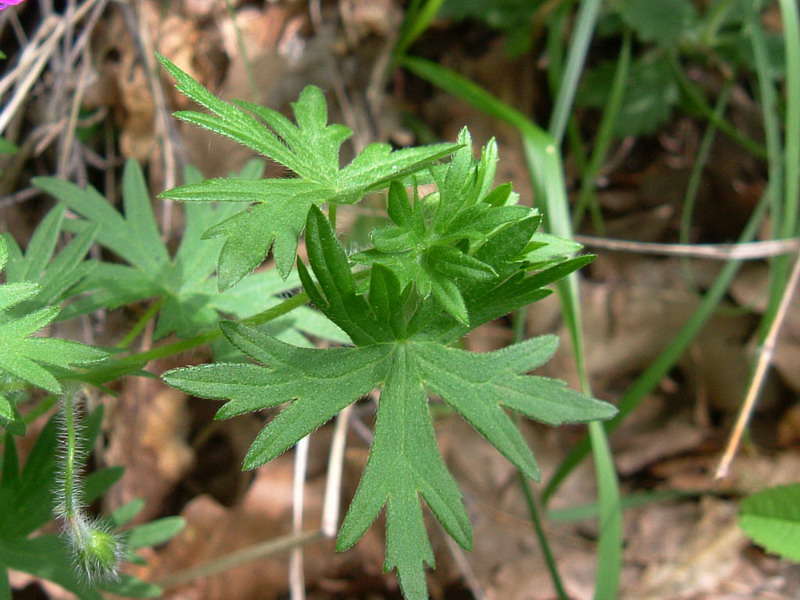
[7, 3]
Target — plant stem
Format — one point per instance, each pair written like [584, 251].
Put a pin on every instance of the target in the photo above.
[141, 323]
[701, 105]
[70, 459]
[549, 559]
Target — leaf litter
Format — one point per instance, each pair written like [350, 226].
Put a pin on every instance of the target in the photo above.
[680, 549]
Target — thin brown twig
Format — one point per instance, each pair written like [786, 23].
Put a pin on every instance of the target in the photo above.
[19, 31]
[163, 121]
[30, 76]
[467, 572]
[359, 140]
[744, 251]
[72, 120]
[765, 355]
[30, 51]
[239, 558]
[20, 196]
[35, 57]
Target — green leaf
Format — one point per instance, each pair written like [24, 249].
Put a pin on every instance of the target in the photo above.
[436, 243]
[322, 381]
[154, 533]
[45, 556]
[190, 303]
[405, 462]
[133, 236]
[663, 22]
[772, 519]
[131, 587]
[650, 95]
[337, 297]
[126, 513]
[27, 501]
[310, 149]
[250, 234]
[98, 483]
[22, 356]
[452, 262]
[6, 411]
[7, 147]
[461, 255]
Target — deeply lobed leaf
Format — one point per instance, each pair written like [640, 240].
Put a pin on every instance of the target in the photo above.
[23, 356]
[448, 262]
[395, 354]
[310, 149]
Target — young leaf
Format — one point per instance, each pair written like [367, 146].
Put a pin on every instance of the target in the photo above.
[435, 243]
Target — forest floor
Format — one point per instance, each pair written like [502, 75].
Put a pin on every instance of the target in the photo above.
[96, 100]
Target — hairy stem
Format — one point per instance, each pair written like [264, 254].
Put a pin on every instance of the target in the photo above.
[96, 551]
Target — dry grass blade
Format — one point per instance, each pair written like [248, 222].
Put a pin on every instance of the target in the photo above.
[333, 484]
[36, 56]
[765, 356]
[467, 572]
[240, 557]
[744, 251]
[297, 588]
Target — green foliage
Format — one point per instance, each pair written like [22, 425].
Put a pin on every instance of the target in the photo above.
[772, 519]
[398, 333]
[666, 31]
[7, 147]
[27, 358]
[443, 263]
[650, 95]
[512, 17]
[27, 501]
[56, 277]
[190, 300]
[310, 149]
[664, 22]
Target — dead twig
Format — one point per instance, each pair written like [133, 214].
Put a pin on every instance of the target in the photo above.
[35, 57]
[240, 557]
[744, 251]
[765, 354]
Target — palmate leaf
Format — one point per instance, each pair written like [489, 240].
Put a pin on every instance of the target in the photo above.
[310, 149]
[394, 355]
[23, 356]
[404, 461]
[191, 302]
[56, 277]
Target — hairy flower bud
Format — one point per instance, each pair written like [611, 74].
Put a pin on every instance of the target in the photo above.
[96, 551]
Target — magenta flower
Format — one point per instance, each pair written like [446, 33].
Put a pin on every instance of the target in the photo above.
[6, 3]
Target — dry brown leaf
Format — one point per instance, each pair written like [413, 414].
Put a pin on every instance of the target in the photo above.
[149, 428]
